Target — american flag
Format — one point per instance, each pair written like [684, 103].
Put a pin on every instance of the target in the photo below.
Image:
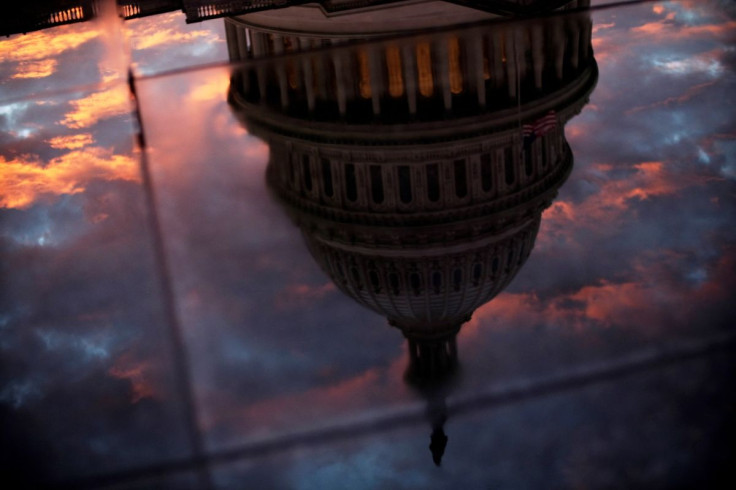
[541, 126]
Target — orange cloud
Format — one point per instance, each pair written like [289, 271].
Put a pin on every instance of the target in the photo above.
[138, 373]
[613, 199]
[71, 142]
[43, 47]
[214, 88]
[35, 69]
[25, 180]
[97, 106]
[164, 30]
[321, 403]
[300, 295]
[665, 27]
[680, 99]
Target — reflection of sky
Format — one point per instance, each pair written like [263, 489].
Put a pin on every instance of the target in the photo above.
[637, 248]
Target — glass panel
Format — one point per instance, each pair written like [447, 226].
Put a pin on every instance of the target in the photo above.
[174, 314]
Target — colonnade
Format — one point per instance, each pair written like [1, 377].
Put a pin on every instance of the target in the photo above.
[404, 74]
[381, 180]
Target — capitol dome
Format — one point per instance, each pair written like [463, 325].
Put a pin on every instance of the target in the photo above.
[421, 205]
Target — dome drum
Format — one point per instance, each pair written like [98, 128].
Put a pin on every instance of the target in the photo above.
[420, 78]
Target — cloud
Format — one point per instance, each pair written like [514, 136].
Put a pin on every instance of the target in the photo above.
[45, 47]
[35, 69]
[97, 106]
[71, 142]
[165, 42]
[26, 179]
[137, 373]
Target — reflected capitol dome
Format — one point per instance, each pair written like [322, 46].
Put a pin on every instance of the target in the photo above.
[417, 168]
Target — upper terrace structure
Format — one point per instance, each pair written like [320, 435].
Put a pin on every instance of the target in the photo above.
[42, 14]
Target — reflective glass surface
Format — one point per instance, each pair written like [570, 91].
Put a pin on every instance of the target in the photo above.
[416, 244]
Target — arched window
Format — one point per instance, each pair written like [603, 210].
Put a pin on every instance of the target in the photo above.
[376, 184]
[307, 172]
[486, 177]
[528, 159]
[461, 181]
[433, 182]
[351, 187]
[375, 282]
[292, 169]
[415, 282]
[340, 271]
[404, 184]
[508, 158]
[436, 282]
[477, 273]
[356, 278]
[457, 279]
[393, 282]
[327, 177]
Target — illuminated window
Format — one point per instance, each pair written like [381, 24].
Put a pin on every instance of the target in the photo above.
[424, 69]
[364, 83]
[456, 74]
[395, 78]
